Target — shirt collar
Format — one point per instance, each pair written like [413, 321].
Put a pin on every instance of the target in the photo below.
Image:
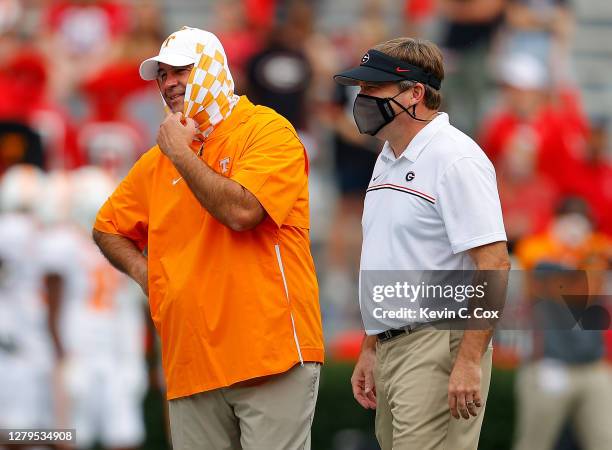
[419, 142]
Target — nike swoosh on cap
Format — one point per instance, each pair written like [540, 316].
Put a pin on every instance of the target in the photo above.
[399, 69]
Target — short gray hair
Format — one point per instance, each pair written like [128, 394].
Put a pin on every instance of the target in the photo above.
[406, 84]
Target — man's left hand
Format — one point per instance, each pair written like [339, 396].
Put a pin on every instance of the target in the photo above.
[176, 134]
[464, 389]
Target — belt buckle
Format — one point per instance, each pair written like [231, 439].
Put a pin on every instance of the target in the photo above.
[388, 335]
[408, 329]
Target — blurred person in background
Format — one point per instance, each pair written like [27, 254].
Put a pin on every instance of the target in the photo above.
[512, 137]
[228, 179]
[534, 116]
[140, 104]
[26, 101]
[96, 320]
[419, 16]
[241, 37]
[354, 155]
[19, 144]
[291, 73]
[591, 176]
[144, 32]
[570, 239]
[564, 379]
[25, 349]
[279, 75]
[79, 37]
[469, 27]
[520, 117]
[542, 28]
[109, 137]
[528, 197]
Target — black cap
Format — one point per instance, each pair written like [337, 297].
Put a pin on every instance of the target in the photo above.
[377, 67]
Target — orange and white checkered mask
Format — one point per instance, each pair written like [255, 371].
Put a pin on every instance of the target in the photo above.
[209, 94]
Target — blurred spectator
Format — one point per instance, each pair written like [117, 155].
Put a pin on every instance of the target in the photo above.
[569, 240]
[591, 173]
[469, 28]
[144, 33]
[542, 28]
[241, 39]
[280, 74]
[533, 117]
[354, 156]
[19, 144]
[520, 117]
[512, 139]
[566, 379]
[25, 101]
[528, 197]
[322, 55]
[79, 37]
[109, 138]
[418, 14]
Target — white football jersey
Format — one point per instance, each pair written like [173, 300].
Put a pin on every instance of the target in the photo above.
[101, 310]
[23, 313]
[25, 348]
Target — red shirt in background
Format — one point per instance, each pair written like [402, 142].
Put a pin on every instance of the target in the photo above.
[110, 17]
[559, 130]
[25, 100]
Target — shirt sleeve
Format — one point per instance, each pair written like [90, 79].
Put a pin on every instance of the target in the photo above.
[469, 204]
[126, 212]
[273, 167]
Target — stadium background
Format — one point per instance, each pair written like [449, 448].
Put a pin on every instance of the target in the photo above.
[527, 79]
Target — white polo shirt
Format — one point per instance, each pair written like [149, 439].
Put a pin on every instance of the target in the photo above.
[424, 209]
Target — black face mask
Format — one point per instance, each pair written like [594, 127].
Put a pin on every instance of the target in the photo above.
[373, 113]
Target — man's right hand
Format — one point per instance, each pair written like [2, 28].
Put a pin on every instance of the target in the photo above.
[362, 381]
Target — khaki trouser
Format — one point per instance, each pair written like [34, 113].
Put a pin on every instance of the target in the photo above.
[550, 393]
[274, 414]
[411, 375]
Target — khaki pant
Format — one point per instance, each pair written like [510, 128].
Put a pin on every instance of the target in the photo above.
[275, 414]
[411, 375]
[549, 394]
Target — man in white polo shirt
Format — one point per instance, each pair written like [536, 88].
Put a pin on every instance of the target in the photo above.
[432, 205]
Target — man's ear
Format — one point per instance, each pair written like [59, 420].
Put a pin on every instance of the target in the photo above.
[417, 93]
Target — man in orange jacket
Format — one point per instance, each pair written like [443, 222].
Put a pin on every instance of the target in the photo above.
[221, 205]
